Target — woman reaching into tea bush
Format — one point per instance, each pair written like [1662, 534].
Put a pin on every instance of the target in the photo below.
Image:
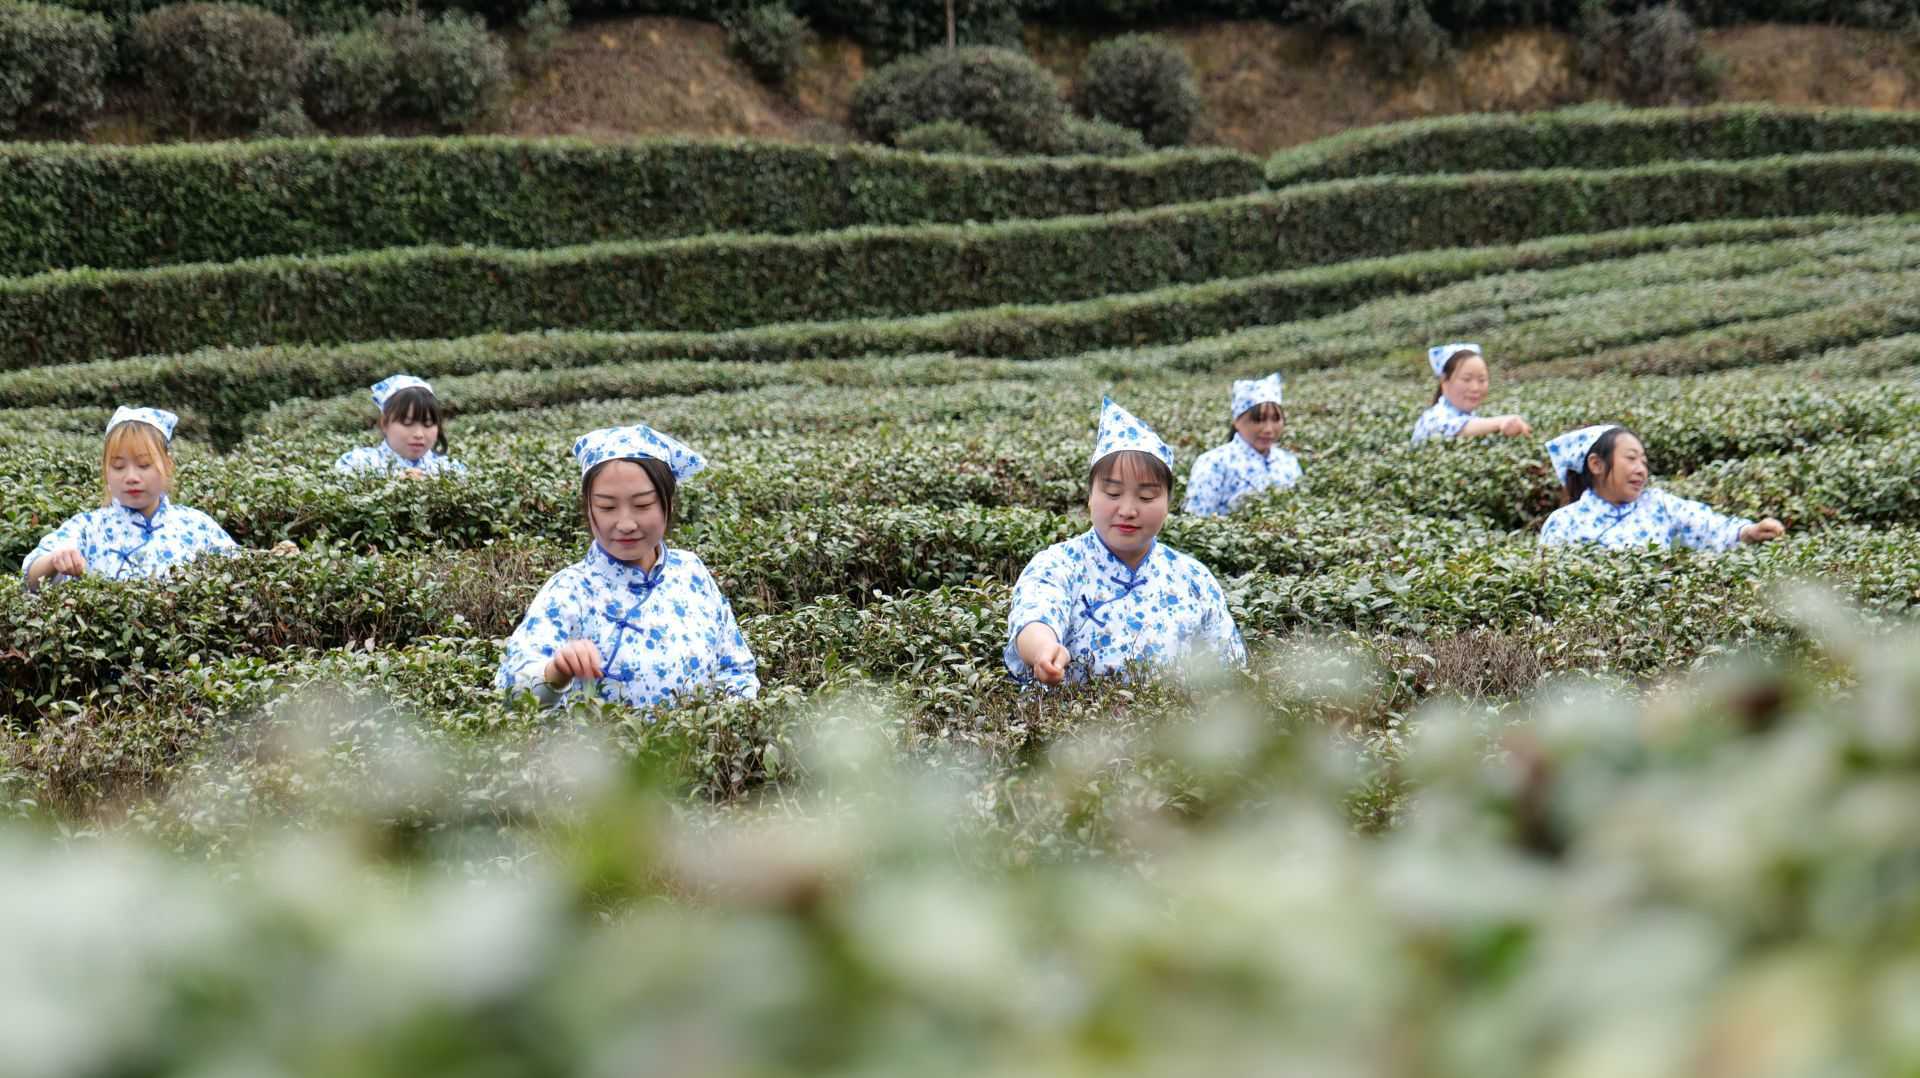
[1251, 461]
[644, 621]
[1114, 596]
[139, 532]
[1462, 370]
[1604, 470]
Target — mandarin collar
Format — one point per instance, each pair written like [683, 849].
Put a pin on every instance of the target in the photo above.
[623, 572]
[1114, 561]
[1602, 505]
[1247, 448]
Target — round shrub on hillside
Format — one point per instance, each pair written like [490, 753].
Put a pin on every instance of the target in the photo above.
[947, 136]
[349, 76]
[1097, 138]
[450, 71]
[770, 39]
[53, 63]
[222, 63]
[999, 91]
[1142, 82]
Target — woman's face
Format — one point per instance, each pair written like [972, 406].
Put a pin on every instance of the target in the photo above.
[1625, 476]
[135, 480]
[410, 437]
[1128, 507]
[1466, 388]
[626, 513]
[1261, 434]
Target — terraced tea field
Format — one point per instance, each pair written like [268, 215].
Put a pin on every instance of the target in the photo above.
[894, 365]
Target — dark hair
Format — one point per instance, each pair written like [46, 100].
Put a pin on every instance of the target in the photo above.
[415, 405]
[1446, 372]
[1261, 412]
[657, 470]
[1578, 481]
[1141, 460]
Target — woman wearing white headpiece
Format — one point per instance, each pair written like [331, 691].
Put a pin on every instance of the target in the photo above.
[1604, 470]
[1251, 461]
[1464, 381]
[412, 430]
[139, 532]
[635, 621]
[1115, 596]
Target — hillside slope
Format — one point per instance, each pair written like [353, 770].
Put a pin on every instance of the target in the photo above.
[1266, 86]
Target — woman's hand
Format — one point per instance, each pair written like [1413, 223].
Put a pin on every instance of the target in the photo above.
[1040, 649]
[575, 659]
[1514, 427]
[66, 561]
[1762, 530]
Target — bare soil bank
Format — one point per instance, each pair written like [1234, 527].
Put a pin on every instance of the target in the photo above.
[1266, 86]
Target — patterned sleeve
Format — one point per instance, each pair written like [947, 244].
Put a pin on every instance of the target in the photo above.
[553, 618]
[1558, 530]
[734, 665]
[1697, 526]
[1206, 488]
[1436, 422]
[1217, 630]
[1043, 594]
[211, 535]
[1289, 471]
[350, 463]
[72, 533]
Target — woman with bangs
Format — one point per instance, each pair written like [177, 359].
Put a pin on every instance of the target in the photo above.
[1115, 597]
[1252, 460]
[138, 532]
[414, 439]
[636, 621]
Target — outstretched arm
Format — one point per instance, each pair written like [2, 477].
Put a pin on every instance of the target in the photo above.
[1039, 620]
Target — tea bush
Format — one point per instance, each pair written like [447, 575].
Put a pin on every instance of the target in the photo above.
[1464, 783]
[723, 283]
[129, 207]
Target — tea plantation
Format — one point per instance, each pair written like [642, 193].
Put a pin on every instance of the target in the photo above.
[1475, 808]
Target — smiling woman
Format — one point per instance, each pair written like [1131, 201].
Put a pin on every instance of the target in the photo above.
[1464, 383]
[1114, 597]
[635, 621]
[1252, 460]
[1604, 470]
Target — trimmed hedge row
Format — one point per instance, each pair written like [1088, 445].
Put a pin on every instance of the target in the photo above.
[767, 515]
[1587, 139]
[1861, 481]
[126, 207]
[722, 283]
[84, 639]
[1763, 341]
[238, 381]
[1660, 330]
[1652, 330]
